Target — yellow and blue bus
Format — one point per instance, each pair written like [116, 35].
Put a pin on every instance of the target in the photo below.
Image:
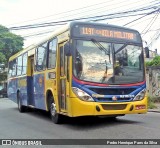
[82, 69]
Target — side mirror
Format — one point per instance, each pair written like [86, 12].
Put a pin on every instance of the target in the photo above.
[67, 50]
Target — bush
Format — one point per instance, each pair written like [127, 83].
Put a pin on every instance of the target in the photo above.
[154, 62]
[151, 102]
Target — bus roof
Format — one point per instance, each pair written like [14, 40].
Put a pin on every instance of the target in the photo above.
[53, 34]
[63, 29]
[100, 24]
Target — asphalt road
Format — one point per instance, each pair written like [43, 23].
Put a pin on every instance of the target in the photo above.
[37, 125]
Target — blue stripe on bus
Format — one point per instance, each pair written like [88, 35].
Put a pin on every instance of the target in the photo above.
[108, 98]
[39, 90]
[31, 90]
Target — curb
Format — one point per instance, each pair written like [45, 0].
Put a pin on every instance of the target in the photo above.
[156, 111]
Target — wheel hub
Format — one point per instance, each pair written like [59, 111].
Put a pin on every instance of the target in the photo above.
[53, 109]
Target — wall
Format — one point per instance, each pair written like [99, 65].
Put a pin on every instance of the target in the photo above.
[153, 81]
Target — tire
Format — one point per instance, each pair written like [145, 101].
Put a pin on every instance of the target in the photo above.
[21, 108]
[55, 117]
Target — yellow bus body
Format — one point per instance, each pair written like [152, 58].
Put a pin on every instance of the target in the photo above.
[50, 79]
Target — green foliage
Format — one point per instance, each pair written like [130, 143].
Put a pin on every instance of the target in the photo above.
[3, 29]
[3, 76]
[154, 62]
[9, 44]
[151, 101]
[2, 58]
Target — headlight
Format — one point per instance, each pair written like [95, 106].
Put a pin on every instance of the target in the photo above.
[140, 95]
[81, 94]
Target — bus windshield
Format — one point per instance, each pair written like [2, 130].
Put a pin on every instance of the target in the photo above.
[108, 63]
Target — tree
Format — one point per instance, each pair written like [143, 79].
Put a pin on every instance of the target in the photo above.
[2, 58]
[154, 62]
[9, 44]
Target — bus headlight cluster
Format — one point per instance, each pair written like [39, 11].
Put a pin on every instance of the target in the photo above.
[82, 95]
[140, 95]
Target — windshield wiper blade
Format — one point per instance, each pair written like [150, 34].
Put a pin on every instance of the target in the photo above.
[121, 48]
[101, 47]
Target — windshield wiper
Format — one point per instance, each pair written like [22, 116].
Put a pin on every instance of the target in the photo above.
[101, 47]
[118, 50]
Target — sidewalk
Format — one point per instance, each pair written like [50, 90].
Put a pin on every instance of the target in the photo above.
[157, 109]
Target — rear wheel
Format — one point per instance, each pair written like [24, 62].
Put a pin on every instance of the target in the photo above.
[55, 117]
[21, 108]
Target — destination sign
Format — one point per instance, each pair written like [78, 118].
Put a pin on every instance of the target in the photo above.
[87, 31]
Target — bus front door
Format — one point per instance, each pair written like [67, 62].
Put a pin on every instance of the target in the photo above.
[63, 84]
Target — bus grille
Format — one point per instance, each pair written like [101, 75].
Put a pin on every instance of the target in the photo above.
[113, 91]
[114, 106]
[110, 99]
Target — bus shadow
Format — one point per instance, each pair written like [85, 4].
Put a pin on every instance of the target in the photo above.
[36, 113]
[82, 123]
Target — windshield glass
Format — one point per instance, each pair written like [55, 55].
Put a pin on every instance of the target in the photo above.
[108, 63]
[1, 87]
[92, 62]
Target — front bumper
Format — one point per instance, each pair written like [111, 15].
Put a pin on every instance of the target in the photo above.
[81, 108]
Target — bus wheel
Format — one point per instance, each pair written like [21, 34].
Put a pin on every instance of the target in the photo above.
[21, 108]
[55, 117]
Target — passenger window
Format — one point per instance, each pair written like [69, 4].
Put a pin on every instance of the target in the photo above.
[41, 57]
[12, 68]
[52, 54]
[24, 69]
[19, 65]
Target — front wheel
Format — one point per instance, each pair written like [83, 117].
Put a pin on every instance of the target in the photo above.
[55, 117]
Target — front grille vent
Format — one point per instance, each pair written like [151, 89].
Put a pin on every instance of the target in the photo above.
[114, 106]
[113, 91]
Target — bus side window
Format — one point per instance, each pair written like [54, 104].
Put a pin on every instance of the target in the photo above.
[24, 68]
[41, 57]
[10, 69]
[14, 68]
[52, 54]
[19, 65]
